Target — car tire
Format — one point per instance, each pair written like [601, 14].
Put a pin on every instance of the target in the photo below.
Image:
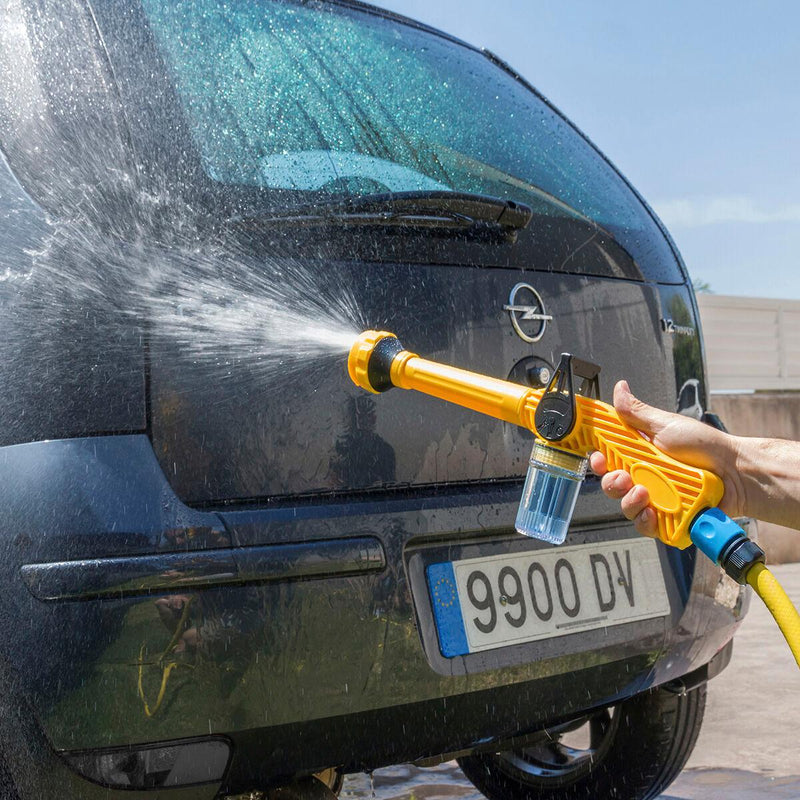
[635, 750]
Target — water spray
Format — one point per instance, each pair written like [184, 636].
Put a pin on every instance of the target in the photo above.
[570, 424]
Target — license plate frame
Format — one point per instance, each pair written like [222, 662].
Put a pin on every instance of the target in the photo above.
[583, 580]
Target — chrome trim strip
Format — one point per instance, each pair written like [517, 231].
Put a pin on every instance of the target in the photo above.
[202, 569]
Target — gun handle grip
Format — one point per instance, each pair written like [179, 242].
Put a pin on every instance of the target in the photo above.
[678, 492]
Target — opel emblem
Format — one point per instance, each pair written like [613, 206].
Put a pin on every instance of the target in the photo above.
[526, 309]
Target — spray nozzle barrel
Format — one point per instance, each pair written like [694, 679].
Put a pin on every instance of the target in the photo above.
[678, 492]
[371, 369]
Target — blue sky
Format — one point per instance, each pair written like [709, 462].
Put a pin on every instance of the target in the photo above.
[697, 103]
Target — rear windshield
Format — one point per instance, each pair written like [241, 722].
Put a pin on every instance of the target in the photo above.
[317, 98]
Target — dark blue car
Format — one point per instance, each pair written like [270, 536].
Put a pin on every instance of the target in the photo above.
[214, 548]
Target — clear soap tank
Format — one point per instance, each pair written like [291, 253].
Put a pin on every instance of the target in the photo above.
[548, 498]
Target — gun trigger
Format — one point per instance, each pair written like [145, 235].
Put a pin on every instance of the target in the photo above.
[555, 414]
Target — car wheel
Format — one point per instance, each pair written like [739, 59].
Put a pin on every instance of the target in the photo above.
[632, 751]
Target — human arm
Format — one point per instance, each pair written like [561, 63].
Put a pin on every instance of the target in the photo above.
[761, 476]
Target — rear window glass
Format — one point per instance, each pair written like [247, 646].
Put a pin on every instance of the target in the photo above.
[319, 98]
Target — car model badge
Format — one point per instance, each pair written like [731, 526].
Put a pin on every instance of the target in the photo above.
[525, 305]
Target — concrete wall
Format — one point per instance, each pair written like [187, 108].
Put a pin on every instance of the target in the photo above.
[751, 343]
[770, 414]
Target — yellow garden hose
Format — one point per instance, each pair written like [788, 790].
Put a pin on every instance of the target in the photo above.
[167, 669]
[166, 666]
[770, 591]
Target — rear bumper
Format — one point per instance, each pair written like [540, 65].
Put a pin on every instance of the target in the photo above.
[299, 633]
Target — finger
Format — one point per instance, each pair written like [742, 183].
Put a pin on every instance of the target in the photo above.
[645, 523]
[634, 502]
[637, 414]
[616, 484]
[598, 463]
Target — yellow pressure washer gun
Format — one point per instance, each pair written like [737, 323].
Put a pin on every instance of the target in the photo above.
[568, 426]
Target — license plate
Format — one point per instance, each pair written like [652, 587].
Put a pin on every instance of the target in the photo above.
[484, 603]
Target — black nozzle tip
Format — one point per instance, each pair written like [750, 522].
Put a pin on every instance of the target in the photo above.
[379, 366]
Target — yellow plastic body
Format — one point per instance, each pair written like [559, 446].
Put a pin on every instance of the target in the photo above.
[677, 492]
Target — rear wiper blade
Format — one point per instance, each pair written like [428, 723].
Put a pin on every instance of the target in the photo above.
[434, 209]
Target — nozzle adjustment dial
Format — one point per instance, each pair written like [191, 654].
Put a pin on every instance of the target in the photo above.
[555, 414]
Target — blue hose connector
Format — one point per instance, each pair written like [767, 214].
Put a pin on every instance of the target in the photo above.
[714, 532]
[717, 536]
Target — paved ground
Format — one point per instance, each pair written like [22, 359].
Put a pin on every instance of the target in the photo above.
[748, 749]
[749, 745]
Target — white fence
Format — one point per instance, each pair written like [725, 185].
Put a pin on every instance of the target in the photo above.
[751, 344]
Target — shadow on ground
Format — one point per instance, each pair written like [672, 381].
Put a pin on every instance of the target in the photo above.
[446, 782]
[727, 784]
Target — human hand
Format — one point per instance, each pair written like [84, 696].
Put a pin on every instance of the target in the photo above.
[685, 439]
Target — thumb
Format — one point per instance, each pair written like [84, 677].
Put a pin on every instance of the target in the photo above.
[639, 415]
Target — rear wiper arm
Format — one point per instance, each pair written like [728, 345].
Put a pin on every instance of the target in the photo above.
[434, 209]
